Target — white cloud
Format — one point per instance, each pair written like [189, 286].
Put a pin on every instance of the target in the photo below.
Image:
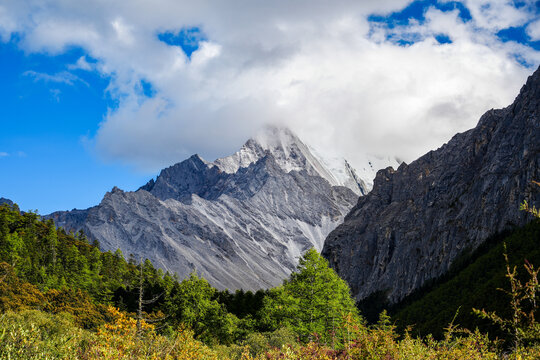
[18, 153]
[500, 14]
[124, 32]
[312, 65]
[55, 93]
[60, 77]
[7, 24]
[533, 30]
[82, 64]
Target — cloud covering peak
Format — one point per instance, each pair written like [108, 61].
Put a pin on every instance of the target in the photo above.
[324, 69]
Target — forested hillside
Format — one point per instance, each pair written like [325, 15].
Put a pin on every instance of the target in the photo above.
[475, 284]
[63, 298]
[44, 266]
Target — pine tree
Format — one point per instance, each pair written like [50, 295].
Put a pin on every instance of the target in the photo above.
[191, 302]
[314, 301]
[50, 246]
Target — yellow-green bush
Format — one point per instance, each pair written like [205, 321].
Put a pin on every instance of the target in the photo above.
[33, 334]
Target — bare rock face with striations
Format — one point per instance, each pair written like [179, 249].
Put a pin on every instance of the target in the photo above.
[241, 221]
[420, 217]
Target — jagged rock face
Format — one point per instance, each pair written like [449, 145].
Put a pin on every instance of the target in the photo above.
[292, 154]
[241, 222]
[5, 201]
[419, 218]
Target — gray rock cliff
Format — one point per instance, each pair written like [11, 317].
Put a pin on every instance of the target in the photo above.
[5, 201]
[420, 217]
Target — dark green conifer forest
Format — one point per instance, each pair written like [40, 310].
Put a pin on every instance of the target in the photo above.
[474, 285]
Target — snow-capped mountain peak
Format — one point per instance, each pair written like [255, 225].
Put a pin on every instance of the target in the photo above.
[291, 154]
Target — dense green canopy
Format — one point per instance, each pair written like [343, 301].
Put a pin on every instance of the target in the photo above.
[315, 301]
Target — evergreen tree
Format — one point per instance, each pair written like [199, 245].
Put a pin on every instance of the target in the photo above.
[12, 246]
[50, 245]
[191, 302]
[313, 301]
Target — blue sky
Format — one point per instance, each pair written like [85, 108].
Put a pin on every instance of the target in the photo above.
[46, 164]
[107, 97]
[50, 109]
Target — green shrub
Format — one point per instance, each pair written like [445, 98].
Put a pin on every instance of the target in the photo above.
[33, 334]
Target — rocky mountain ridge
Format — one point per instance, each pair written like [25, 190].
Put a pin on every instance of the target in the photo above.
[419, 218]
[241, 221]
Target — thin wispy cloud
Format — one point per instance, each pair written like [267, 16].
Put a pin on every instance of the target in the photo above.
[55, 93]
[63, 77]
[17, 153]
[349, 76]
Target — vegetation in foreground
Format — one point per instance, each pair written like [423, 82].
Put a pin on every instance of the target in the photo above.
[62, 298]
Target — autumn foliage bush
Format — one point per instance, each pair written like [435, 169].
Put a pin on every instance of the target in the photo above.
[33, 334]
[15, 294]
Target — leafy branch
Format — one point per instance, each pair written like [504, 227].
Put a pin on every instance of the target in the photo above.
[530, 209]
[522, 325]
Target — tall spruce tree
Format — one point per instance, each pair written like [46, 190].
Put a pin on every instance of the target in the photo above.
[314, 301]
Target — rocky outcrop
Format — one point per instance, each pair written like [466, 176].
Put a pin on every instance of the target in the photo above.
[420, 217]
[6, 201]
[241, 221]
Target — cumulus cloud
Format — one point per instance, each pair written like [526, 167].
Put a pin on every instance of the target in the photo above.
[3, 154]
[318, 67]
[501, 14]
[533, 30]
